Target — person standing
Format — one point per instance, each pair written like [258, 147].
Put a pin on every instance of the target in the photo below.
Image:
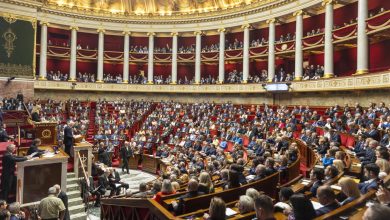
[68, 137]
[8, 178]
[126, 153]
[64, 198]
[51, 207]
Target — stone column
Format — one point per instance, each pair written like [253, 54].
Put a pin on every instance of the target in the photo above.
[73, 54]
[126, 47]
[362, 40]
[221, 67]
[198, 51]
[328, 56]
[271, 50]
[43, 53]
[100, 67]
[245, 54]
[298, 45]
[150, 57]
[174, 57]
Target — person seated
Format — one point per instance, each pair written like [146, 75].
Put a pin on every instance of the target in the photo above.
[284, 197]
[104, 183]
[155, 188]
[34, 148]
[261, 172]
[217, 210]
[253, 193]
[371, 172]
[143, 188]
[369, 155]
[327, 198]
[103, 155]
[264, 208]
[233, 180]
[115, 181]
[3, 134]
[192, 191]
[245, 204]
[316, 180]
[350, 189]
[301, 208]
[270, 169]
[205, 183]
[329, 157]
[376, 212]
[166, 189]
[331, 172]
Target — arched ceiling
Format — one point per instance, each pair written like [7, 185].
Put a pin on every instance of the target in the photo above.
[156, 7]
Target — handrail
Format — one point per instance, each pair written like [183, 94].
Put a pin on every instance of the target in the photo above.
[83, 169]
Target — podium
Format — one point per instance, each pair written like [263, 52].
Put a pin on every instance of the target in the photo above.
[47, 132]
[36, 176]
[82, 158]
[150, 163]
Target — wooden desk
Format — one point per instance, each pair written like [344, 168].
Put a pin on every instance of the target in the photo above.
[36, 176]
[150, 163]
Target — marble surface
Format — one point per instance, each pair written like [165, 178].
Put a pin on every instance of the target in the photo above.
[133, 179]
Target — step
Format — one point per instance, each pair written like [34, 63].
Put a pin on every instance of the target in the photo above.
[73, 194]
[70, 175]
[72, 187]
[75, 201]
[76, 209]
[72, 181]
[79, 216]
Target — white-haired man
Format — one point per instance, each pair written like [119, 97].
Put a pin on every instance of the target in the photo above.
[68, 137]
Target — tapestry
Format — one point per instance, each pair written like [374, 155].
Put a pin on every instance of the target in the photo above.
[17, 47]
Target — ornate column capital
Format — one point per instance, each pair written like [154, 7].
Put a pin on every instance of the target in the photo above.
[327, 2]
[126, 32]
[45, 23]
[150, 34]
[297, 13]
[272, 20]
[174, 34]
[101, 30]
[221, 30]
[246, 26]
[198, 32]
[74, 28]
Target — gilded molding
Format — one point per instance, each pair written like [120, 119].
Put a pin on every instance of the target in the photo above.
[358, 82]
[221, 30]
[74, 28]
[327, 2]
[126, 33]
[300, 12]
[150, 34]
[272, 20]
[101, 30]
[174, 34]
[244, 26]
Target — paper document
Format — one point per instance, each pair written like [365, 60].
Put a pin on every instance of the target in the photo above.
[336, 187]
[230, 212]
[33, 154]
[117, 185]
[316, 205]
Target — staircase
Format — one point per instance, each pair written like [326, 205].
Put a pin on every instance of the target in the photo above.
[75, 203]
[91, 128]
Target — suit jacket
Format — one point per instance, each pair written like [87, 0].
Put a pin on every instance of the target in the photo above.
[369, 157]
[33, 148]
[367, 185]
[126, 153]
[35, 117]
[68, 136]
[314, 188]
[180, 207]
[327, 208]
[104, 183]
[62, 195]
[3, 135]
[9, 162]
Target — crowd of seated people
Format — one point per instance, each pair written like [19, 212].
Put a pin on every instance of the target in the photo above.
[188, 49]
[181, 135]
[12, 104]
[57, 76]
[160, 80]
[138, 49]
[208, 80]
[112, 78]
[86, 77]
[211, 48]
[258, 42]
[311, 72]
[165, 49]
[234, 77]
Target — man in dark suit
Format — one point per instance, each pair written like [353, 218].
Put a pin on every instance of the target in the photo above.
[8, 178]
[126, 153]
[64, 198]
[68, 137]
[192, 191]
[369, 155]
[115, 182]
[3, 134]
[104, 184]
[103, 155]
[34, 148]
[327, 198]
[371, 172]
